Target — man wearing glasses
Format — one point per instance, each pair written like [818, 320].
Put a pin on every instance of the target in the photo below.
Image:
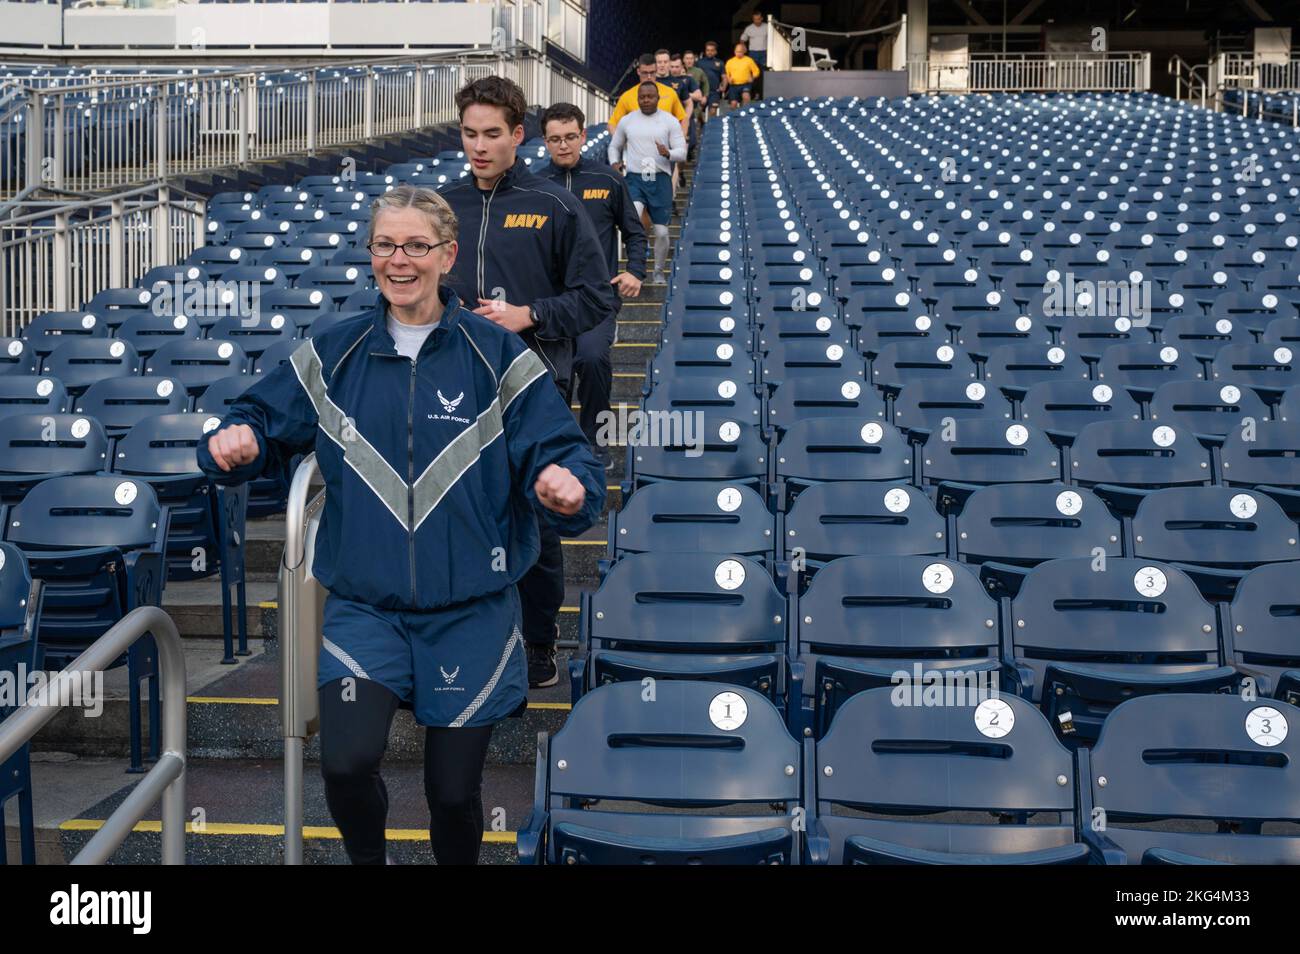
[529, 260]
[605, 197]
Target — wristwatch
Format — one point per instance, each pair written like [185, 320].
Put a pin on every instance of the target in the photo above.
[532, 317]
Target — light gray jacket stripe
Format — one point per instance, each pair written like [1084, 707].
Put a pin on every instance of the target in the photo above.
[459, 456]
[344, 658]
[359, 454]
[482, 697]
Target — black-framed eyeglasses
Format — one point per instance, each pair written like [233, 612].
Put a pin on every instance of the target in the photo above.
[412, 249]
[570, 138]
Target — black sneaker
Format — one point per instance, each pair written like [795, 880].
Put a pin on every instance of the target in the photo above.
[542, 672]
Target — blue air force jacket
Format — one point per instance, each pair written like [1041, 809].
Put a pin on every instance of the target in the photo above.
[429, 465]
[531, 241]
[605, 197]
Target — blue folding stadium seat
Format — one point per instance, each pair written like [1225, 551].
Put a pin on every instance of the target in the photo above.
[1259, 629]
[1282, 331]
[701, 516]
[683, 616]
[1222, 765]
[254, 333]
[708, 446]
[699, 744]
[807, 358]
[881, 301]
[1144, 367]
[53, 328]
[20, 601]
[175, 276]
[864, 619]
[699, 356]
[1123, 460]
[815, 450]
[970, 454]
[338, 281]
[1009, 527]
[1088, 338]
[148, 333]
[198, 363]
[1063, 408]
[1209, 409]
[98, 543]
[1252, 309]
[115, 305]
[215, 260]
[292, 261]
[1215, 534]
[1083, 639]
[901, 363]
[901, 326]
[845, 518]
[895, 784]
[18, 357]
[80, 362]
[1204, 335]
[34, 446]
[121, 403]
[1268, 368]
[833, 393]
[1014, 368]
[30, 393]
[206, 532]
[1265, 458]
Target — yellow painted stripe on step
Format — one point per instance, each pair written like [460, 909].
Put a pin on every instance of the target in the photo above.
[270, 701]
[232, 700]
[556, 706]
[269, 604]
[629, 374]
[277, 831]
[637, 344]
[584, 543]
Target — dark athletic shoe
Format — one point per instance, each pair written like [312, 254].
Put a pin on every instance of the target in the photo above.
[542, 672]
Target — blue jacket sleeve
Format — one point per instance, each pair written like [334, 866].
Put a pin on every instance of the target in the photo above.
[540, 430]
[283, 419]
[588, 297]
[629, 223]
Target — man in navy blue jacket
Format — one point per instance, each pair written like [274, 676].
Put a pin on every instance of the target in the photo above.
[530, 261]
[605, 197]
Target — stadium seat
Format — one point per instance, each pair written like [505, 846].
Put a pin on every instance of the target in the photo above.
[865, 619]
[121, 403]
[148, 333]
[206, 532]
[1084, 639]
[18, 357]
[700, 743]
[1223, 765]
[1121, 461]
[666, 615]
[53, 328]
[1259, 629]
[34, 446]
[970, 454]
[81, 362]
[98, 543]
[896, 784]
[692, 516]
[29, 393]
[198, 364]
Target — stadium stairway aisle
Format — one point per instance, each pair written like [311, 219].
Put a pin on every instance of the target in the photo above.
[234, 780]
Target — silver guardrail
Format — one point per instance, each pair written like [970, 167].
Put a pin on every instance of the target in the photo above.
[1109, 72]
[167, 777]
[106, 133]
[301, 605]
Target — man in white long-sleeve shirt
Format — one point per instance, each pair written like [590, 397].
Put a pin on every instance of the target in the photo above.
[644, 146]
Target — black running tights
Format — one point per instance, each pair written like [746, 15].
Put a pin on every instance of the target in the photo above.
[354, 734]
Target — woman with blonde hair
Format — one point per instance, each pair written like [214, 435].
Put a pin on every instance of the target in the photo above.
[442, 443]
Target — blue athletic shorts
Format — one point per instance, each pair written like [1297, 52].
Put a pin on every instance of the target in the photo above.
[655, 194]
[733, 92]
[463, 665]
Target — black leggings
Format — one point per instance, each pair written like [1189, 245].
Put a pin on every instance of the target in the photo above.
[353, 736]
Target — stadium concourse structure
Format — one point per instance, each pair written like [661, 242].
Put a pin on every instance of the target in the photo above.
[995, 392]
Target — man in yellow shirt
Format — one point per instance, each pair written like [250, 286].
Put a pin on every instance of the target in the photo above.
[740, 73]
[646, 69]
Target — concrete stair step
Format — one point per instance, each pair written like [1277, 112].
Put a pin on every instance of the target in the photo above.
[234, 712]
[236, 811]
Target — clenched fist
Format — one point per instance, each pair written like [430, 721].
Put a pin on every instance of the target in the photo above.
[233, 446]
[559, 490]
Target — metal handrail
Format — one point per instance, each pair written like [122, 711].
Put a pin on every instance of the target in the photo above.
[167, 777]
[298, 601]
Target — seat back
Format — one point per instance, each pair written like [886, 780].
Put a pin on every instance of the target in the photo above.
[1213, 526]
[198, 364]
[76, 512]
[28, 393]
[52, 444]
[1029, 523]
[1216, 758]
[815, 449]
[1138, 454]
[842, 518]
[699, 516]
[990, 452]
[81, 362]
[1266, 455]
[164, 444]
[120, 403]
